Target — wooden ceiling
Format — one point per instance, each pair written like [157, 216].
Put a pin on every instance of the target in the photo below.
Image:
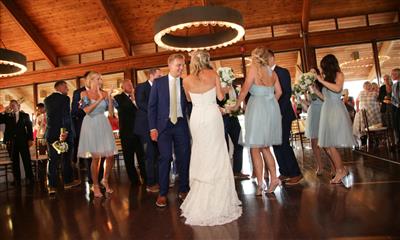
[77, 26]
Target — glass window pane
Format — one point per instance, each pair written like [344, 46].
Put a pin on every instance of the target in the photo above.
[24, 95]
[389, 55]
[142, 75]
[356, 62]
[45, 89]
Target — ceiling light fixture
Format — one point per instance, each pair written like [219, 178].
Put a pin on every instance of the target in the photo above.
[229, 19]
[12, 63]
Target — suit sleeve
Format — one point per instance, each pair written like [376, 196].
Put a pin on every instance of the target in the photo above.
[141, 99]
[2, 118]
[152, 107]
[67, 121]
[29, 130]
[286, 86]
[118, 100]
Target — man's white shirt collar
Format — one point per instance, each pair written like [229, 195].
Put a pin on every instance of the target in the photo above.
[273, 67]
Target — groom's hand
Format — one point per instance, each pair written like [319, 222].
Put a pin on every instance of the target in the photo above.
[154, 134]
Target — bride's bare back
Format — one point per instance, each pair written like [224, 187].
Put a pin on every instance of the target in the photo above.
[206, 80]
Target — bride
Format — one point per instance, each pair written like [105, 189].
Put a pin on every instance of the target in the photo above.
[212, 199]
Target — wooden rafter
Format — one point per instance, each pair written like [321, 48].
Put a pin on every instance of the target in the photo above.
[305, 17]
[31, 31]
[116, 26]
[287, 43]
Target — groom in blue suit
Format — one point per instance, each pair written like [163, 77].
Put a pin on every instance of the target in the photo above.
[169, 127]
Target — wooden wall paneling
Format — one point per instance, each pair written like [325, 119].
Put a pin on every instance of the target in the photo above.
[287, 29]
[145, 48]
[352, 22]
[42, 65]
[31, 31]
[91, 57]
[258, 33]
[322, 25]
[382, 18]
[113, 53]
[68, 60]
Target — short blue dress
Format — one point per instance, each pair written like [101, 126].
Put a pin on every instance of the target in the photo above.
[313, 116]
[263, 120]
[335, 125]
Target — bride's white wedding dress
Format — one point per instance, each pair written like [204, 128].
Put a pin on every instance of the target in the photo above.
[212, 199]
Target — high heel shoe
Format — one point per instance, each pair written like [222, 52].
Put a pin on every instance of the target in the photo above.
[339, 176]
[106, 185]
[96, 191]
[274, 184]
[259, 191]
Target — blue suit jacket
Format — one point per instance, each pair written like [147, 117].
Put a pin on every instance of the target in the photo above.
[284, 101]
[158, 109]
[142, 95]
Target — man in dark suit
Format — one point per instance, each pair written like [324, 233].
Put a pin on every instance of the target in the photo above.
[18, 136]
[59, 116]
[288, 166]
[142, 94]
[129, 140]
[232, 130]
[169, 127]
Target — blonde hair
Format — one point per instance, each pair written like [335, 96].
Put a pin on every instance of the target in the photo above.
[89, 78]
[259, 58]
[200, 60]
[174, 56]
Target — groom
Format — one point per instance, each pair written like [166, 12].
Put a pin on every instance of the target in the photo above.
[168, 126]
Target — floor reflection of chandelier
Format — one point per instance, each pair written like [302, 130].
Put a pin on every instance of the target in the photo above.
[363, 62]
[228, 19]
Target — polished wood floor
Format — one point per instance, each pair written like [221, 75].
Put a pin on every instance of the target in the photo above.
[368, 209]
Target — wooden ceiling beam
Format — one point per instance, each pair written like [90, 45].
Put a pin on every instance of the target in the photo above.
[305, 16]
[287, 43]
[116, 26]
[31, 31]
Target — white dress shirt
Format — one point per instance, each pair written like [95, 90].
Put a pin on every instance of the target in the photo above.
[178, 93]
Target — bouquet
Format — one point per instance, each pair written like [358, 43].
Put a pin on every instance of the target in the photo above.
[303, 86]
[226, 75]
[60, 146]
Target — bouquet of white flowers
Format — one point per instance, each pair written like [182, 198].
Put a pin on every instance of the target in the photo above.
[226, 75]
[303, 86]
[231, 103]
[60, 146]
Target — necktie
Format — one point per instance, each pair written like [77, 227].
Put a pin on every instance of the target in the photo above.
[173, 107]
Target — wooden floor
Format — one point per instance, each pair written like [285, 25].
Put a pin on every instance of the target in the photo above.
[368, 209]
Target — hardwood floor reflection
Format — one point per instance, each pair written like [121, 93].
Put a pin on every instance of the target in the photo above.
[370, 207]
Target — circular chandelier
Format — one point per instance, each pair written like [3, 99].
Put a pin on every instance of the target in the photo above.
[230, 20]
[12, 63]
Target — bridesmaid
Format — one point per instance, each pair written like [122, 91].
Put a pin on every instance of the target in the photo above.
[263, 117]
[312, 121]
[335, 125]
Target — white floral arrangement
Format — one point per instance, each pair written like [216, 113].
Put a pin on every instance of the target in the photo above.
[226, 75]
[231, 103]
[60, 147]
[303, 86]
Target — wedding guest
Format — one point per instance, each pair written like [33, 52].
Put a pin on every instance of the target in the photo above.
[349, 103]
[384, 98]
[97, 139]
[232, 130]
[335, 124]
[58, 114]
[142, 95]
[167, 113]
[263, 126]
[288, 166]
[312, 121]
[396, 103]
[18, 136]
[212, 199]
[366, 100]
[40, 121]
[130, 141]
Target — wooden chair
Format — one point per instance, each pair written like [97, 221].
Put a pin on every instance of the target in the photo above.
[5, 164]
[378, 133]
[118, 156]
[297, 133]
[39, 156]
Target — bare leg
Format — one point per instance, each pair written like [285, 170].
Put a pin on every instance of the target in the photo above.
[317, 154]
[94, 167]
[270, 163]
[333, 168]
[337, 161]
[257, 168]
[107, 171]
